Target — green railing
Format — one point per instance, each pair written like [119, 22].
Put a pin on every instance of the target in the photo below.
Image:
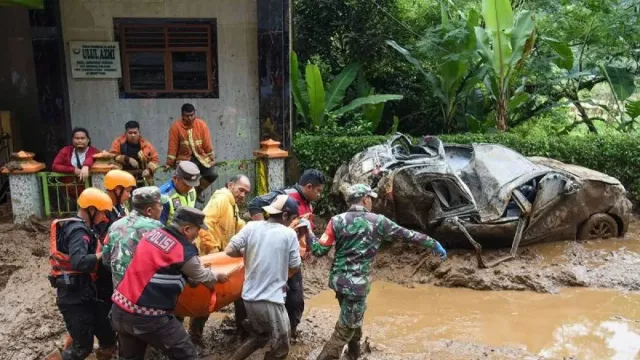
[60, 196]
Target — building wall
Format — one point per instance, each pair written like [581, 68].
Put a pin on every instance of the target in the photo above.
[232, 118]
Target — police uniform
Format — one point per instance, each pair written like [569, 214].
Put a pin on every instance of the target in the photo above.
[189, 173]
[145, 299]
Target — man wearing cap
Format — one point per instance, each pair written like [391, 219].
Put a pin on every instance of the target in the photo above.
[271, 251]
[124, 234]
[145, 299]
[180, 189]
[357, 235]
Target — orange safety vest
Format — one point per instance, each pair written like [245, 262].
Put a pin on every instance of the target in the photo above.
[59, 261]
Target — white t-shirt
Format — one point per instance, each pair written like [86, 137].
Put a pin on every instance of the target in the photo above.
[270, 249]
[78, 157]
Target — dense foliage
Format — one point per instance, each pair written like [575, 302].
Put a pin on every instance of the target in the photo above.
[455, 72]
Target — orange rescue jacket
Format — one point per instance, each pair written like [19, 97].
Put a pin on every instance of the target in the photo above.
[186, 141]
[148, 156]
[59, 261]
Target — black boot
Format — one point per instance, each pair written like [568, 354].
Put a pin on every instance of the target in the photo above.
[333, 348]
[353, 350]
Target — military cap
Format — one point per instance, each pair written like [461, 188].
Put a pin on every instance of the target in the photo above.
[188, 172]
[358, 191]
[148, 195]
[191, 216]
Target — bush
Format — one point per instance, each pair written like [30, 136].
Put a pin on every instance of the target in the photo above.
[615, 155]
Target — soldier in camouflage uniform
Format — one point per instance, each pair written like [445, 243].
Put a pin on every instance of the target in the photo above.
[124, 234]
[357, 235]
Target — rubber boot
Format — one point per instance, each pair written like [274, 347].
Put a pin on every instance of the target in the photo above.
[106, 353]
[353, 350]
[332, 349]
[54, 355]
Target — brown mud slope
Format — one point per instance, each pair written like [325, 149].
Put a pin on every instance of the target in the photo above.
[29, 318]
[30, 324]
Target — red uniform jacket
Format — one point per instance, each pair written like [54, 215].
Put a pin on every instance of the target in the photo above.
[62, 162]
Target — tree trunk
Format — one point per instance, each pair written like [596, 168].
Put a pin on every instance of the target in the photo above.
[502, 113]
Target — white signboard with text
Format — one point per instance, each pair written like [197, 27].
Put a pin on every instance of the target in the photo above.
[95, 59]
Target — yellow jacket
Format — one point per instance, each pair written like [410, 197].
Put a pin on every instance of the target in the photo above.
[223, 219]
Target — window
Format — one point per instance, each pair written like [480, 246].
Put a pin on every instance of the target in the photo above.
[167, 58]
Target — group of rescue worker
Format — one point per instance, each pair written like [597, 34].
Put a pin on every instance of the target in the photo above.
[120, 264]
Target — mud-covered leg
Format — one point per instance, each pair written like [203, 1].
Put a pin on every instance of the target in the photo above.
[348, 329]
[353, 349]
[250, 345]
[341, 336]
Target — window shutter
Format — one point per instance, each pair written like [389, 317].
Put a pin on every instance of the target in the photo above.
[188, 37]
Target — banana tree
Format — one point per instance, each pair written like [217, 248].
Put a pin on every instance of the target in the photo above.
[453, 46]
[315, 105]
[503, 44]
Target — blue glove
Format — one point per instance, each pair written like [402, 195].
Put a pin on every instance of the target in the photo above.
[439, 250]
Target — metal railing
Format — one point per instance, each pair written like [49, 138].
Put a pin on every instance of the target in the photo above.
[59, 193]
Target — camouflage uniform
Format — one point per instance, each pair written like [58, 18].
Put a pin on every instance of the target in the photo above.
[124, 234]
[357, 235]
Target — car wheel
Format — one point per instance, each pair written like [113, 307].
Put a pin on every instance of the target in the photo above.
[599, 226]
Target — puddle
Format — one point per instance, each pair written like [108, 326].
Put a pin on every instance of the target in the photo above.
[585, 323]
[556, 252]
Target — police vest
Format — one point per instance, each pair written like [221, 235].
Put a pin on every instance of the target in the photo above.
[59, 261]
[176, 200]
[152, 283]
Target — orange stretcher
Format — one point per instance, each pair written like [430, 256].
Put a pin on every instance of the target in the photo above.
[199, 301]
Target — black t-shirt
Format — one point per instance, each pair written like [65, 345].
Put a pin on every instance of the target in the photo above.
[130, 150]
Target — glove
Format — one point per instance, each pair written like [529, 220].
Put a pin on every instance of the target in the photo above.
[439, 250]
[146, 173]
[134, 163]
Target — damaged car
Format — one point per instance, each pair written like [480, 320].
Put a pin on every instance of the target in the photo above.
[486, 195]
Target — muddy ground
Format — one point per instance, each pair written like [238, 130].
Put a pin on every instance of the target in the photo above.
[30, 324]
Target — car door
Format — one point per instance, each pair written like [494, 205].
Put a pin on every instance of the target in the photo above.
[553, 208]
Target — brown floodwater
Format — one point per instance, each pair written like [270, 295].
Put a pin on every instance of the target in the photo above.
[580, 322]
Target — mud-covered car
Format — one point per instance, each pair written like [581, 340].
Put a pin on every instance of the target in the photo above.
[486, 193]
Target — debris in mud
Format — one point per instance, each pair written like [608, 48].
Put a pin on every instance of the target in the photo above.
[30, 323]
